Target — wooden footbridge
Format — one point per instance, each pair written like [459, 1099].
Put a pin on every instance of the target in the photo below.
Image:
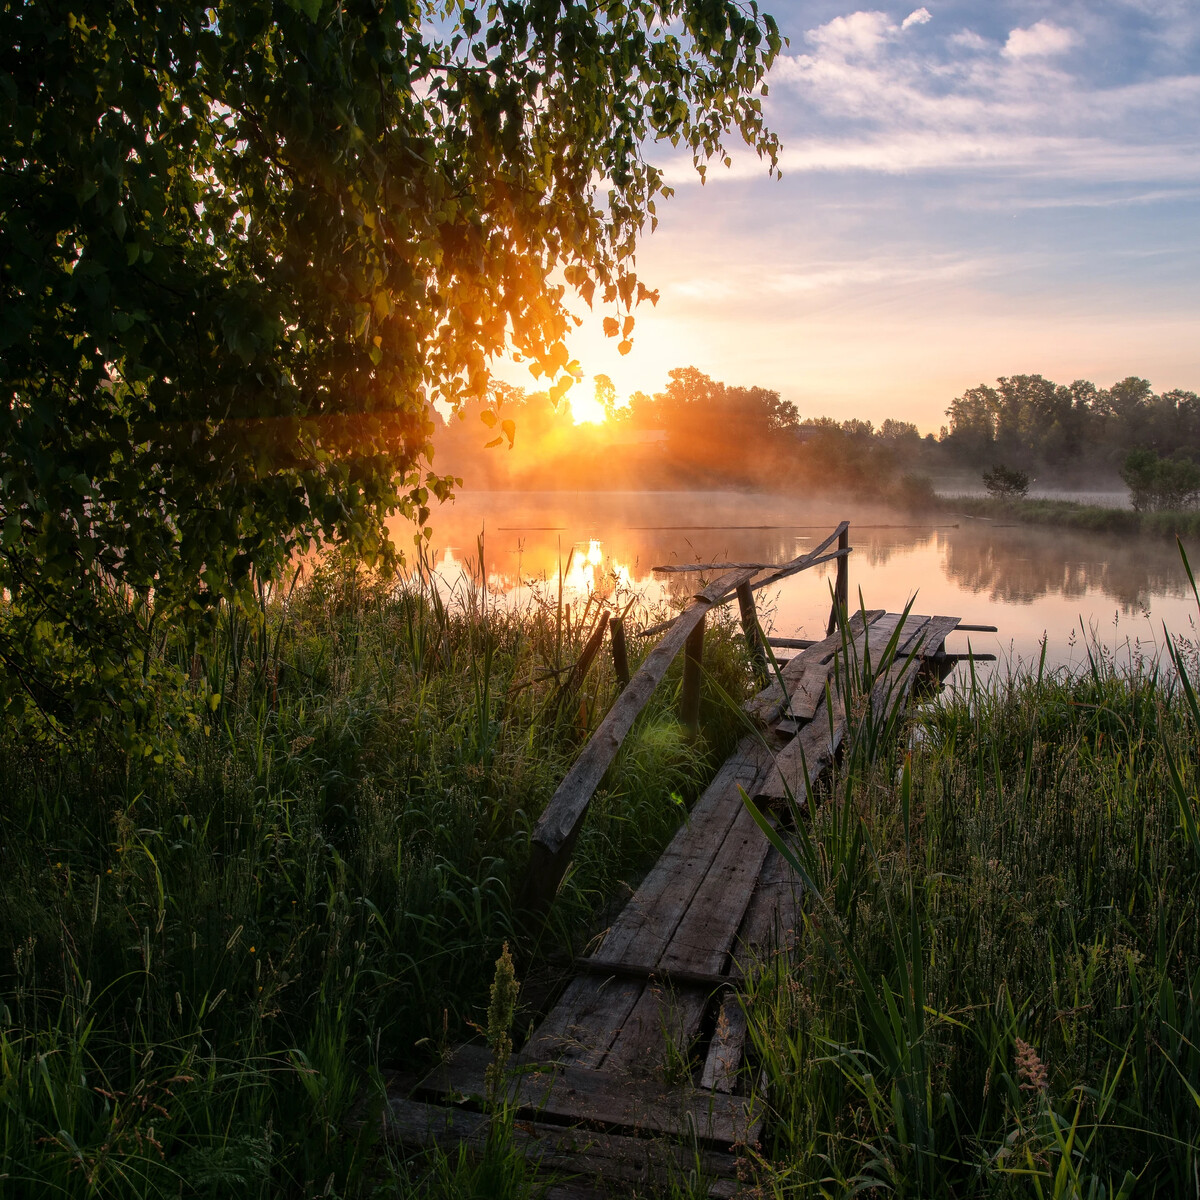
[639, 1070]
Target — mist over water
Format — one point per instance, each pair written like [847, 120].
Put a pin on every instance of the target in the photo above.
[1029, 581]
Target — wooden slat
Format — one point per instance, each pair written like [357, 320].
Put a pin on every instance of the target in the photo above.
[703, 938]
[809, 753]
[807, 559]
[555, 832]
[644, 927]
[726, 1049]
[591, 1012]
[664, 1021]
[580, 1153]
[582, 1026]
[603, 1097]
[768, 704]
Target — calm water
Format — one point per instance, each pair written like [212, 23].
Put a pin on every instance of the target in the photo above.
[1031, 583]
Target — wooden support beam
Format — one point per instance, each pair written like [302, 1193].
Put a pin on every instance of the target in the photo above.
[616, 632]
[583, 664]
[689, 693]
[976, 629]
[555, 832]
[754, 644]
[841, 591]
[791, 643]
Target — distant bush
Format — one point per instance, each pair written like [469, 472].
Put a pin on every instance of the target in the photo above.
[1157, 484]
[915, 492]
[1006, 483]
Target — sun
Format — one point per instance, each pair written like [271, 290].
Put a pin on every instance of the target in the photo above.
[585, 409]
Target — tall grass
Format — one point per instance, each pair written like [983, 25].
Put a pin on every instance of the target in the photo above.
[997, 991]
[206, 969]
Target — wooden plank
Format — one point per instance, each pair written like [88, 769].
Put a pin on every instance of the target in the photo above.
[807, 559]
[791, 643]
[582, 1026]
[703, 938]
[644, 927]
[584, 1023]
[802, 761]
[933, 638]
[580, 1153]
[767, 705]
[555, 832]
[727, 1048]
[772, 920]
[751, 631]
[604, 1097]
[678, 978]
[812, 558]
[841, 590]
[664, 1021]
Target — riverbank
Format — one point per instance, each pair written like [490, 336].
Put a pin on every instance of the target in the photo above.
[1070, 514]
[209, 970]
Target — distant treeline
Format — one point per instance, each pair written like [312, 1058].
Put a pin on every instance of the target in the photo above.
[698, 432]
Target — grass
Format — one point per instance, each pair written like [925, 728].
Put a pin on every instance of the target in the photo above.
[205, 969]
[1070, 514]
[997, 991]
[208, 969]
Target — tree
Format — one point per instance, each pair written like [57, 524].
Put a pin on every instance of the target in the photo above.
[244, 247]
[1160, 483]
[1005, 483]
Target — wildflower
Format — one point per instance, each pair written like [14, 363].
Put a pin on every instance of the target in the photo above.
[1030, 1068]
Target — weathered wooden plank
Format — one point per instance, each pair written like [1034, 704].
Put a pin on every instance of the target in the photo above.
[812, 558]
[801, 762]
[582, 1026]
[767, 705]
[678, 978]
[702, 939]
[807, 559]
[555, 832]
[657, 1032]
[605, 1097]
[665, 1020]
[643, 928]
[727, 1048]
[772, 920]
[751, 631]
[577, 1152]
[933, 637]
[791, 643]
[588, 1016]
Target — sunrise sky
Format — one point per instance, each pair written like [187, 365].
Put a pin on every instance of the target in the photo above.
[968, 190]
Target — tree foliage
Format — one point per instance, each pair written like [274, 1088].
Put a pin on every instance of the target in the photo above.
[1160, 484]
[1006, 483]
[245, 246]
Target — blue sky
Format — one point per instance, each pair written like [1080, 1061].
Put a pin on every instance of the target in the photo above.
[968, 190]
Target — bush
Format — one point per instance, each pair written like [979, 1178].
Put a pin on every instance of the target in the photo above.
[1006, 483]
[1157, 484]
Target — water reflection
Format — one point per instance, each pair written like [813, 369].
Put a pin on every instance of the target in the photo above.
[1028, 581]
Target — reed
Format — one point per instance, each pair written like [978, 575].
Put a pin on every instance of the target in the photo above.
[997, 991]
[207, 967]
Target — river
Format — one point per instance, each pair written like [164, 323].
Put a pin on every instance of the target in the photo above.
[1066, 587]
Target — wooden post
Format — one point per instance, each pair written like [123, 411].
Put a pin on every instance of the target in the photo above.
[754, 643]
[841, 590]
[616, 630]
[689, 697]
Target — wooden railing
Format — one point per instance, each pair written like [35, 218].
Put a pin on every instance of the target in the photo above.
[553, 837]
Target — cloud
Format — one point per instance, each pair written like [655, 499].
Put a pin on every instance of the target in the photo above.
[920, 16]
[860, 34]
[866, 98]
[1043, 38]
[968, 39]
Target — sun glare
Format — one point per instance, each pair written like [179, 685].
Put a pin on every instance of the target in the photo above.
[585, 409]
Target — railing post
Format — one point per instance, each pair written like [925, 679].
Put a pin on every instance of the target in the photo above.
[689, 699]
[754, 643]
[841, 589]
[616, 631]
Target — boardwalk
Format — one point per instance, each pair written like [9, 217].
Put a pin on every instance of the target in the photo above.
[641, 1062]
